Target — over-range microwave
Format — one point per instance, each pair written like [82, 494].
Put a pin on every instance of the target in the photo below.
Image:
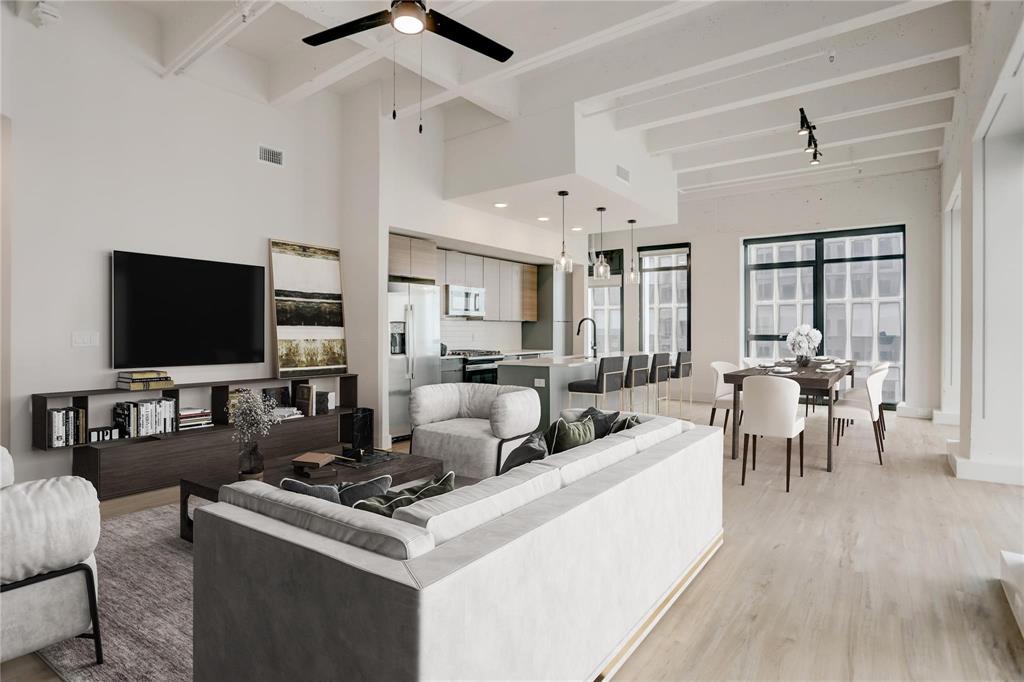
[464, 301]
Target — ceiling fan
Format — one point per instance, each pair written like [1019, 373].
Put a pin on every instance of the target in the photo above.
[411, 17]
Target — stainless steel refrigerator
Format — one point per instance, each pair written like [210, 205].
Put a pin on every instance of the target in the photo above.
[414, 322]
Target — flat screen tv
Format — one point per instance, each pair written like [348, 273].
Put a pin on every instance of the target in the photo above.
[168, 312]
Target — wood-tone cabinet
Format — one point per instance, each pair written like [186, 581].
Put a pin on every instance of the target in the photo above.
[528, 297]
[474, 271]
[492, 289]
[413, 258]
[455, 268]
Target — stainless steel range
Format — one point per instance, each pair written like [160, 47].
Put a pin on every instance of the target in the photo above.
[479, 366]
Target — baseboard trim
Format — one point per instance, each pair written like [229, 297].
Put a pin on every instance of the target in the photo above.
[988, 471]
[904, 410]
[620, 656]
[946, 418]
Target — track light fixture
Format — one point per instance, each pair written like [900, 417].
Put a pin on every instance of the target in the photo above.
[564, 261]
[812, 143]
[807, 128]
[805, 125]
[816, 157]
[602, 270]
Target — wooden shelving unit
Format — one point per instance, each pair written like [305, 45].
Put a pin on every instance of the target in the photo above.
[131, 465]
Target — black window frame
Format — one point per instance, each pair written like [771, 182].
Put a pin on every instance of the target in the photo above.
[818, 270]
[689, 288]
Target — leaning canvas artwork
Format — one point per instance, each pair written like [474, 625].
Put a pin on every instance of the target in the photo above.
[309, 318]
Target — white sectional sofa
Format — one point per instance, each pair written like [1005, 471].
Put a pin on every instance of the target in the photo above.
[545, 572]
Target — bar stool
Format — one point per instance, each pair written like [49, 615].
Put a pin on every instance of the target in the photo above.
[609, 378]
[682, 369]
[636, 375]
[660, 372]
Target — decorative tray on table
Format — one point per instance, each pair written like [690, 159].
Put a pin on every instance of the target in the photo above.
[360, 459]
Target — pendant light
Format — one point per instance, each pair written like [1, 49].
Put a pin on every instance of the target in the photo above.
[564, 261]
[634, 274]
[601, 268]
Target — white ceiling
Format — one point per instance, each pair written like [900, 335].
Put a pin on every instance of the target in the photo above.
[715, 85]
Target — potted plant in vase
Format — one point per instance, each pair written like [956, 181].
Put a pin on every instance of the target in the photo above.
[803, 343]
[252, 415]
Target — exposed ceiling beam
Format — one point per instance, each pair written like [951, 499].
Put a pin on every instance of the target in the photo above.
[930, 82]
[930, 35]
[521, 66]
[712, 38]
[867, 169]
[846, 155]
[873, 126]
[202, 27]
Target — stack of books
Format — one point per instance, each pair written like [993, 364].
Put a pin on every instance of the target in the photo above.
[286, 413]
[310, 401]
[314, 465]
[65, 426]
[144, 380]
[145, 417]
[194, 418]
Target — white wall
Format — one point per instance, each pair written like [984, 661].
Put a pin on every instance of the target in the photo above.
[717, 227]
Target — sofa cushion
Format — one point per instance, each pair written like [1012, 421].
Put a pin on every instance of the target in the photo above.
[388, 504]
[623, 423]
[515, 411]
[563, 435]
[372, 532]
[603, 421]
[580, 462]
[321, 492]
[530, 450]
[449, 515]
[466, 446]
[350, 493]
[47, 525]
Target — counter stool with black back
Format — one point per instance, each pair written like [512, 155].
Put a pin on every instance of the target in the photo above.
[661, 370]
[636, 375]
[609, 379]
[771, 406]
[683, 369]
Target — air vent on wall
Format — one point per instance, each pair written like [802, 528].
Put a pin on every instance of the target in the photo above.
[274, 156]
[622, 173]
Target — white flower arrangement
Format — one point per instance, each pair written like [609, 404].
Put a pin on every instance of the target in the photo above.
[252, 415]
[803, 340]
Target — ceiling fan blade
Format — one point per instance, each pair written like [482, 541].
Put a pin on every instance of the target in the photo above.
[350, 28]
[465, 36]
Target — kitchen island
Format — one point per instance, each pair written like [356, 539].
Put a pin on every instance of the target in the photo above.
[550, 377]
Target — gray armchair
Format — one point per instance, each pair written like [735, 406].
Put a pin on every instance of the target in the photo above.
[48, 532]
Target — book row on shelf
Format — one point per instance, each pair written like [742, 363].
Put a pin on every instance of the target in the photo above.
[145, 417]
[65, 426]
[144, 380]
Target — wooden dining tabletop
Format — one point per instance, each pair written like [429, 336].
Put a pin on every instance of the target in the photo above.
[813, 382]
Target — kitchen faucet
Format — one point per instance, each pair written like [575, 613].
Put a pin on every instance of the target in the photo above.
[579, 327]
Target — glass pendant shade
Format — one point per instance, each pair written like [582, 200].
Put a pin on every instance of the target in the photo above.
[563, 263]
[634, 274]
[602, 270]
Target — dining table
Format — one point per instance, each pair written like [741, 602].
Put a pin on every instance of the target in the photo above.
[814, 381]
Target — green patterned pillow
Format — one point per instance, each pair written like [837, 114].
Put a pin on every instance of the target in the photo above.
[386, 504]
[563, 435]
[624, 423]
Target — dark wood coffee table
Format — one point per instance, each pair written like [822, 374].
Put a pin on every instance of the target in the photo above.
[403, 469]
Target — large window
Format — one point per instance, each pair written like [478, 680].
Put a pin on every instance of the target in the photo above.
[848, 284]
[604, 304]
[665, 298]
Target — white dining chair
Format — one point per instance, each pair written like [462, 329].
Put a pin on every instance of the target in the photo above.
[859, 393]
[771, 408]
[750, 363]
[722, 392]
[866, 407]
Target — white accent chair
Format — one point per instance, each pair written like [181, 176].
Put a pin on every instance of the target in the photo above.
[865, 406]
[771, 407]
[48, 531]
[860, 394]
[471, 428]
[722, 392]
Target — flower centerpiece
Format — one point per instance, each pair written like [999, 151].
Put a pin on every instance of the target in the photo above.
[252, 415]
[803, 342]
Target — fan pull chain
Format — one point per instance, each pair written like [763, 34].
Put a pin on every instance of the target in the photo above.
[394, 79]
[421, 83]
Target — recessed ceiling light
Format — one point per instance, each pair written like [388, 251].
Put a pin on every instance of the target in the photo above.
[543, 218]
[577, 229]
[500, 205]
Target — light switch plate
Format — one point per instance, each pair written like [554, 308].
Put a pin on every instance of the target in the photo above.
[85, 339]
[538, 383]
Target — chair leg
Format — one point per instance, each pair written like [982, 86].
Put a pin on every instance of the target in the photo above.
[801, 454]
[725, 424]
[837, 433]
[712, 422]
[878, 440]
[741, 417]
[842, 428]
[789, 457]
[753, 464]
[881, 438]
[807, 406]
[746, 440]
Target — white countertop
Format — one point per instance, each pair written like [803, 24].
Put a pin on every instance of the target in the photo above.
[527, 351]
[557, 361]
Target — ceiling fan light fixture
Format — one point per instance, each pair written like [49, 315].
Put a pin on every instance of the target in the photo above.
[408, 17]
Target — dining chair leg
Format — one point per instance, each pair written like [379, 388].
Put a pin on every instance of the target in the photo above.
[746, 439]
[725, 424]
[753, 462]
[789, 457]
[801, 454]
[712, 422]
[741, 416]
[842, 428]
[837, 432]
[878, 441]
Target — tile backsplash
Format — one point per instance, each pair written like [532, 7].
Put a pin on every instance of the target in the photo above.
[477, 334]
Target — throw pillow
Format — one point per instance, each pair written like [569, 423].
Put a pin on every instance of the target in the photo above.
[350, 493]
[602, 420]
[563, 435]
[625, 423]
[386, 504]
[324, 492]
[531, 449]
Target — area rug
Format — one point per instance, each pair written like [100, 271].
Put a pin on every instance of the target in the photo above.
[145, 600]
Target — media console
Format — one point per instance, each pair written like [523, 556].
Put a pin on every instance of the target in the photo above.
[133, 465]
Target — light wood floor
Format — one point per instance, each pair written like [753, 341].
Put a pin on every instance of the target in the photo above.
[866, 573]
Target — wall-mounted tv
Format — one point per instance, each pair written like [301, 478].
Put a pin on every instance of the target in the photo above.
[168, 312]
